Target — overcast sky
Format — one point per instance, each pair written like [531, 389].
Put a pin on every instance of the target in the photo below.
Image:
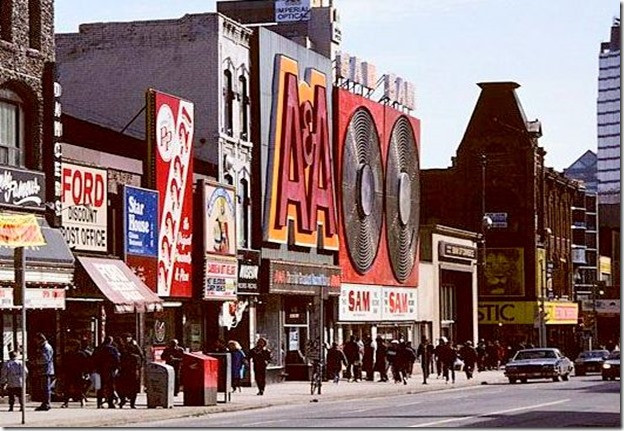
[445, 47]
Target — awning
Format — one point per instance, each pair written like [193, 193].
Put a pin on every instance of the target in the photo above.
[120, 285]
[50, 263]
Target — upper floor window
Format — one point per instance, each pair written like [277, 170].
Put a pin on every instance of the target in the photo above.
[34, 23]
[244, 109]
[11, 128]
[228, 102]
[6, 20]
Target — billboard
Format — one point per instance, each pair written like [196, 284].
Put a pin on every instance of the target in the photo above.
[170, 128]
[364, 303]
[504, 272]
[140, 221]
[84, 207]
[219, 219]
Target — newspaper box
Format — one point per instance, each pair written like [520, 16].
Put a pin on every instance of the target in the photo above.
[199, 376]
[159, 381]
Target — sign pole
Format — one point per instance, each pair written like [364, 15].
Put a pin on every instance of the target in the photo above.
[20, 281]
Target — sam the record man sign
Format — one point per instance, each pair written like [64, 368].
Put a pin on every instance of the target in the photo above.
[221, 263]
[84, 207]
[170, 128]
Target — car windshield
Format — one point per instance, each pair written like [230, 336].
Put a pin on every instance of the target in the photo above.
[594, 354]
[615, 355]
[535, 354]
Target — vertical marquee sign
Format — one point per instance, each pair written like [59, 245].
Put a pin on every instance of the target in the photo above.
[302, 181]
[170, 127]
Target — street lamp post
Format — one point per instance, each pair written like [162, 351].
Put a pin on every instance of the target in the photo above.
[542, 296]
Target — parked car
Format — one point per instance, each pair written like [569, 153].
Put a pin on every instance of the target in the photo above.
[589, 361]
[611, 366]
[540, 363]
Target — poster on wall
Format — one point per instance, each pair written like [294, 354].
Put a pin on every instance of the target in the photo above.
[504, 272]
[219, 219]
[170, 129]
[84, 201]
[220, 278]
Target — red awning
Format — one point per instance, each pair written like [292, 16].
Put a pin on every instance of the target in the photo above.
[120, 285]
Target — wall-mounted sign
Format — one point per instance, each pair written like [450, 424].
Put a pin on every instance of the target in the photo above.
[602, 306]
[292, 10]
[85, 207]
[170, 127]
[21, 188]
[220, 278]
[219, 219]
[507, 312]
[145, 267]
[504, 272]
[458, 251]
[561, 313]
[499, 220]
[140, 221]
[303, 279]
[364, 303]
[248, 272]
[45, 298]
[398, 304]
[300, 183]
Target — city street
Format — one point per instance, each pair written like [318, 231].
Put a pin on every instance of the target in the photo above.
[581, 402]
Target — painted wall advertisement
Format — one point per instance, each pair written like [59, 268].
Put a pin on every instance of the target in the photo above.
[219, 219]
[365, 303]
[84, 207]
[171, 126]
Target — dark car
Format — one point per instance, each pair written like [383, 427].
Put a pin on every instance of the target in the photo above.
[542, 363]
[589, 361]
[611, 366]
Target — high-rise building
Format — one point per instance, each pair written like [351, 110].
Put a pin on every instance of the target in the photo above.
[609, 118]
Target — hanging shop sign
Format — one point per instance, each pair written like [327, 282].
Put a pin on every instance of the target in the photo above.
[20, 230]
[248, 272]
[170, 129]
[220, 278]
[21, 188]
[84, 211]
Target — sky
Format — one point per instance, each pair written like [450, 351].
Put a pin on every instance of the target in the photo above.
[446, 47]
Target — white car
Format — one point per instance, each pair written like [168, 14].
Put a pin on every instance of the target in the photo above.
[541, 363]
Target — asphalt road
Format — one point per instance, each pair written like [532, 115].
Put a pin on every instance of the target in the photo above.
[581, 402]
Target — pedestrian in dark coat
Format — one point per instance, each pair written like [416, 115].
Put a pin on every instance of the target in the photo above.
[381, 360]
[411, 358]
[481, 355]
[469, 355]
[437, 355]
[448, 355]
[172, 355]
[368, 359]
[335, 361]
[425, 354]
[106, 361]
[261, 357]
[129, 378]
[43, 370]
[75, 369]
[352, 353]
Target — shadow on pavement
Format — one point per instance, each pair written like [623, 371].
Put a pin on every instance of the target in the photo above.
[540, 419]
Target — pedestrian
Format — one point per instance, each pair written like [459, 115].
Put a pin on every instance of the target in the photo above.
[491, 359]
[129, 378]
[481, 355]
[239, 360]
[335, 361]
[425, 355]
[86, 352]
[352, 353]
[75, 367]
[261, 356]
[448, 356]
[43, 370]
[381, 360]
[401, 362]
[172, 355]
[469, 355]
[106, 362]
[11, 379]
[438, 359]
[368, 358]
[411, 358]
[391, 357]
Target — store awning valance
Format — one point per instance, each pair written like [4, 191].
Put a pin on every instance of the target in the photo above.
[120, 285]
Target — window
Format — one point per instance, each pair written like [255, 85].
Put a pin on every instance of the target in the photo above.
[244, 109]
[34, 23]
[243, 211]
[228, 102]
[11, 129]
[6, 20]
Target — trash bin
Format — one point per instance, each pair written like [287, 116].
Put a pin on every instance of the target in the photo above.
[159, 382]
[224, 382]
[199, 376]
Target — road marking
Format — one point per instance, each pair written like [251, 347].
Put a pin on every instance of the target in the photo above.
[263, 422]
[463, 418]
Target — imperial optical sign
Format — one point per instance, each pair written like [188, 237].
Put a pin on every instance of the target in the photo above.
[84, 207]
[292, 10]
[141, 221]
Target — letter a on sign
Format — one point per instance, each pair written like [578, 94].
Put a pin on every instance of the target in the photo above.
[301, 181]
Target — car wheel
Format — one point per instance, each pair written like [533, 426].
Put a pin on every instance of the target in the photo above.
[579, 373]
[604, 378]
[512, 381]
[565, 377]
[523, 380]
[555, 378]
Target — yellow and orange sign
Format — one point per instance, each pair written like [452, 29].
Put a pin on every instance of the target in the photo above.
[20, 230]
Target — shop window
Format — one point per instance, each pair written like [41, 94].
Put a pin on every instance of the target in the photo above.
[6, 20]
[12, 125]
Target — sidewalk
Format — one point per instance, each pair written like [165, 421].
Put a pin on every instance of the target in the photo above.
[275, 394]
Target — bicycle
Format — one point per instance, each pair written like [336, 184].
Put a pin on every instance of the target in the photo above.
[317, 377]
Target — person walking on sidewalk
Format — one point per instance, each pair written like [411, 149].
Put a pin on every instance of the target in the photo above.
[43, 370]
[352, 353]
[261, 356]
[238, 363]
[106, 361]
[75, 367]
[437, 352]
[469, 355]
[448, 355]
[11, 379]
[368, 358]
[172, 355]
[425, 355]
[335, 360]
[129, 379]
[381, 360]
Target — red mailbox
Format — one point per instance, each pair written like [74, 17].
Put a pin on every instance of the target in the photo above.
[199, 374]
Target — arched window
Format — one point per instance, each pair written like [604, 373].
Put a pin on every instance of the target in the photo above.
[12, 128]
[243, 211]
[228, 102]
[244, 118]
